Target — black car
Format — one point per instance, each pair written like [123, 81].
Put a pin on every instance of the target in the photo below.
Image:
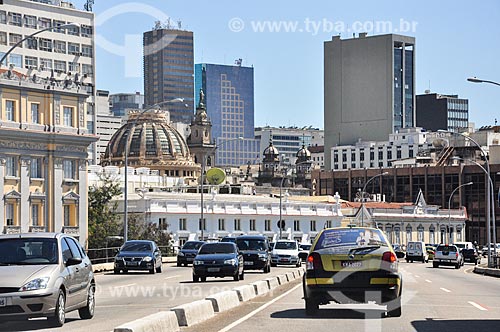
[188, 252]
[138, 255]
[471, 255]
[255, 251]
[228, 239]
[304, 251]
[219, 259]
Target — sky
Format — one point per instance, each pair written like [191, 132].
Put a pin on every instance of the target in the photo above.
[283, 41]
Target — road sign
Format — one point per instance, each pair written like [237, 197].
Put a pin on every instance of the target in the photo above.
[281, 224]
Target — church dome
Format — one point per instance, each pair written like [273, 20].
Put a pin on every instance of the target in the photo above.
[303, 153]
[150, 141]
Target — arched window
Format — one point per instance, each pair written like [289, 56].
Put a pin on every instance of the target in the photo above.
[420, 233]
[408, 233]
[432, 234]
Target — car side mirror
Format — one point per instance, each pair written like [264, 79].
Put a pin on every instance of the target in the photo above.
[73, 261]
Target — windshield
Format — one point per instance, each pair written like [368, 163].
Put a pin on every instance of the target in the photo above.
[286, 245]
[253, 244]
[350, 237]
[217, 248]
[29, 251]
[447, 248]
[305, 246]
[136, 246]
[192, 245]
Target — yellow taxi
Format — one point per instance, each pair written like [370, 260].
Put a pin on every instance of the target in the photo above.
[352, 265]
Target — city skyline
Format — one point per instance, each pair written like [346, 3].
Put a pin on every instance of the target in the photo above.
[291, 63]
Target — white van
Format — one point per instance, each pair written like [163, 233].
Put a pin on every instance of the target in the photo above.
[416, 251]
[464, 245]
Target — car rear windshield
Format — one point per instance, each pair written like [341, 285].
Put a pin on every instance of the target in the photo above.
[286, 245]
[251, 244]
[305, 246]
[136, 246]
[28, 251]
[350, 237]
[192, 245]
[446, 248]
[217, 248]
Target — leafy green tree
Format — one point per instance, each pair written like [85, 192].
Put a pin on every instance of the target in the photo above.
[138, 229]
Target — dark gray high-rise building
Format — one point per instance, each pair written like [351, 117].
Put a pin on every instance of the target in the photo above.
[369, 88]
[442, 112]
[169, 71]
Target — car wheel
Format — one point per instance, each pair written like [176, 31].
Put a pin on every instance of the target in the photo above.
[152, 270]
[179, 264]
[57, 320]
[407, 260]
[125, 271]
[196, 278]
[87, 312]
[116, 271]
[203, 279]
[312, 307]
[457, 266]
[434, 264]
[394, 308]
[159, 268]
[242, 275]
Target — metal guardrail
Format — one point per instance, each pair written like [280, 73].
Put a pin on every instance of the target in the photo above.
[107, 255]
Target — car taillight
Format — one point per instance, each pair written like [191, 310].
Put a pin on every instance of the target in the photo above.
[389, 256]
[313, 261]
[456, 255]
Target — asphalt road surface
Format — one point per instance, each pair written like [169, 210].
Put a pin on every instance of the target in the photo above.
[442, 299]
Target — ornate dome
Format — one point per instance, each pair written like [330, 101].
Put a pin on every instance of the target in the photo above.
[303, 153]
[151, 142]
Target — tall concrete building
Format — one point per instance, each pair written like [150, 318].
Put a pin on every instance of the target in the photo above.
[59, 56]
[229, 97]
[369, 88]
[121, 103]
[107, 123]
[169, 70]
[442, 112]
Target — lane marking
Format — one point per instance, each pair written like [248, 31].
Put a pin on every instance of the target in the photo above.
[417, 276]
[256, 311]
[172, 277]
[427, 280]
[445, 290]
[474, 304]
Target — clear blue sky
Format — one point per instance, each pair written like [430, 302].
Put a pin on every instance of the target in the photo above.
[455, 40]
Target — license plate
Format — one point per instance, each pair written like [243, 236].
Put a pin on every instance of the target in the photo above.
[3, 301]
[248, 263]
[132, 263]
[213, 269]
[351, 264]
[189, 259]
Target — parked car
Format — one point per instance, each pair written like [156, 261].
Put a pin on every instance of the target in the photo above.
[44, 275]
[471, 255]
[220, 259]
[431, 251]
[416, 251]
[188, 252]
[346, 263]
[399, 250]
[448, 254]
[141, 255]
[286, 252]
[304, 251]
[255, 252]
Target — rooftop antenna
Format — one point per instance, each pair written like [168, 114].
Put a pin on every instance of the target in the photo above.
[88, 5]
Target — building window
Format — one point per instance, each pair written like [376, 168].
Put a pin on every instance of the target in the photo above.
[67, 215]
[9, 214]
[74, 67]
[328, 224]
[45, 44]
[59, 46]
[313, 225]
[222, 225]
[45, 64]
[68, 116]
[73, 49]
[237, 224]
[14, 38]
[10, 107]
[182, 224]
[87, 51]
[15, 19]
[162, 223]
[86, 30]
[3, 38]
[35, 113]
[69, 169]
[267, 224]
[36, 168]
[252, 225]
[3, 17]
[87, 70]
[30, 62]
[408, 234]
[60, 66]
[11, 166]
[44, 22]
[57, 25]
[73, 30]
[420, 233]
[35, 213]
[30, 21]
[432, 236]
[296, 225]
[202, 225]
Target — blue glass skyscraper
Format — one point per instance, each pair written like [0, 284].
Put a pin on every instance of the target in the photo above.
[229, 98]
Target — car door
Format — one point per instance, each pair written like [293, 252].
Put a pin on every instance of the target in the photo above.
[82, 271]
[157, 254]
[71, 282]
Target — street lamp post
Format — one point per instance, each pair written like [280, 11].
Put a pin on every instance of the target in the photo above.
[478, 80]
[202, 180]
[488, 191]
[125, 193]
[363, 195]
[449, 208]
[63, 26]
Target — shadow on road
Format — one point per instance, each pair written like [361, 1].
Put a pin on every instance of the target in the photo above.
[30, 325]
[330, 313]
[445, 325]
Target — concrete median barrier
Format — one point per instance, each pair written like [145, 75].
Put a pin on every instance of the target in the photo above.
[163, 321]
[194, 312]
[282, 279]
[224, 300]
[272, 283]
[245, 293]
[290, 276]
[260, 287]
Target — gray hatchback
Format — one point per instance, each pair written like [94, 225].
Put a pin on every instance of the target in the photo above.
[44, 275]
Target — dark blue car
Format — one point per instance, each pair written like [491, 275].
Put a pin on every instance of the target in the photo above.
[220, 259]
[188, 252]
[138, 255]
